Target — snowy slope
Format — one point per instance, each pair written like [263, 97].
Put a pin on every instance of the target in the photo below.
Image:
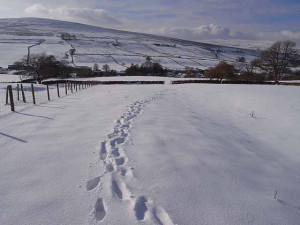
[158, 154]
[95, 44]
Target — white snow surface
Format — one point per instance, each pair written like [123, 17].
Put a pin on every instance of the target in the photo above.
[154, 154]
[9, 78]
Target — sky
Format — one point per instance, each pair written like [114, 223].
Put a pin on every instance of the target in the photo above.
[269, 20]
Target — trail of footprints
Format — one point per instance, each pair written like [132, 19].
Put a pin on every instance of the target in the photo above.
[115, 160]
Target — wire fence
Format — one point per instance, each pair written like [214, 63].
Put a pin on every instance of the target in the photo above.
[25, 95]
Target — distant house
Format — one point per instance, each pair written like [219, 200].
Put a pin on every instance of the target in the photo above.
[198, 74]
[82, 71]
[116, 43]
[122, 73]
[3, 71]
[98, 73]
[171, 74]
[16, 67]
[295, 62]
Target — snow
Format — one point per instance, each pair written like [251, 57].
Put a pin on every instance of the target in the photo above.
[132, 78]
[9, 78]
[154, 154]
[236, 43]
[97, 45]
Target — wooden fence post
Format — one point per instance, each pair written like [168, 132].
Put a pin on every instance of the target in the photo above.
[11, 98]
[66, 89]
[18, 90]
[76, 86]
[71, 87]
[33, 96]
[48, 93]
[6, 102]
[23, 94]
[57, 86]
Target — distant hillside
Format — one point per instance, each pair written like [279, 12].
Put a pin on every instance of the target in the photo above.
[99, 45]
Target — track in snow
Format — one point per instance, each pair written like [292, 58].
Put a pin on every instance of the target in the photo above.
[115, 160]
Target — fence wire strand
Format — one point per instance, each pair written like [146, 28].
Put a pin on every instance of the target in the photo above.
[40, 92]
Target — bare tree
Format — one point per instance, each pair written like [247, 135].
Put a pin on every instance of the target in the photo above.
[276, 59]
[44, 66]
[96, 67]
[106, 68]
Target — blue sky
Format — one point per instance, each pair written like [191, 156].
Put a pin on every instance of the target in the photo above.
[189, 19]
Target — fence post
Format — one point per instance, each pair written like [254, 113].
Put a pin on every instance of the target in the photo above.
[71, 87]
[76, 86]
[33, 96]
[6, 102]
[79, 86]
[18, 90]
[48, 93]
[23, 94]
[11, 98]
[57, 86]
[66, 89]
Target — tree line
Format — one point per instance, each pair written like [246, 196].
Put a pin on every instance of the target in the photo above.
[272, 64]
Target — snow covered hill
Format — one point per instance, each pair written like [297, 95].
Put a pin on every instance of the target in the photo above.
[99, 45]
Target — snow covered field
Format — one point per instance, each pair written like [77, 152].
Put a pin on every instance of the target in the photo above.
[155, 154]
[9, 78]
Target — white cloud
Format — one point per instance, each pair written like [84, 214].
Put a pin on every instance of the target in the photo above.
[281, 35]
[211, 31]
[84, 15]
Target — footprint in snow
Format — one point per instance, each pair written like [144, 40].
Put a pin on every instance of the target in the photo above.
[103, 151]
[120, 161]
[100, 211]
[110, 168]
[119, 189]
[91, 184]
[140, 207]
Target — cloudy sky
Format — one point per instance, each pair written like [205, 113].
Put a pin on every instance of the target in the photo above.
[189, 19]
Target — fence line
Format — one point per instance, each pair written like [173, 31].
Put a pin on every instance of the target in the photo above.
[15, 97]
